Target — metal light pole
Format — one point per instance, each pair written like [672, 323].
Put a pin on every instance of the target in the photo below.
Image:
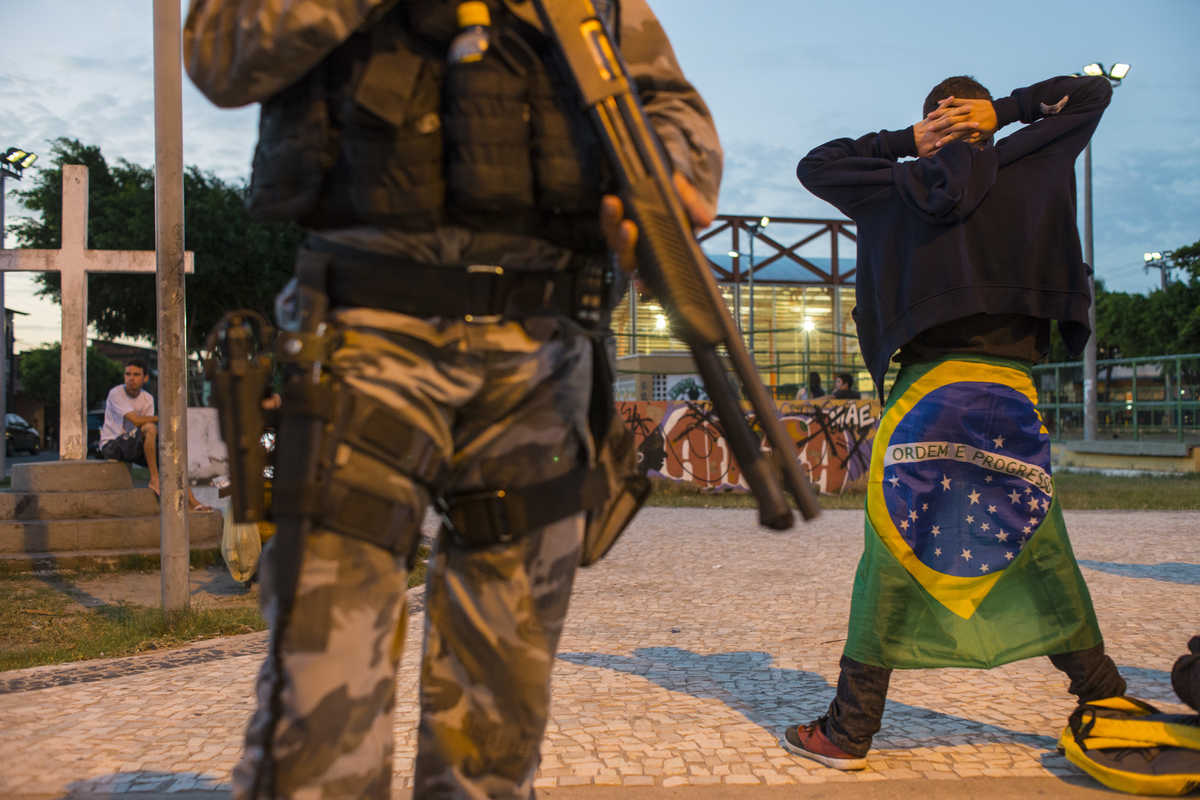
[1115, 76]
[12, 165]
[754, 231]
[808, 325]
[1159, 260]
[737, 284]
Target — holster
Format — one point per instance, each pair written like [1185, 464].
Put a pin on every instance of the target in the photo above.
[239, 367]
[616, 465]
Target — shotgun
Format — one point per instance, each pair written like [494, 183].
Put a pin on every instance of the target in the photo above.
[669, 258]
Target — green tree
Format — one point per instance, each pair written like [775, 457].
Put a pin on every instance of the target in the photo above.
[39, 373]
[1187, 258]
[240, 263]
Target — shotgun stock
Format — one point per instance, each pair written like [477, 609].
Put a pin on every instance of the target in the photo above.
[669, 259]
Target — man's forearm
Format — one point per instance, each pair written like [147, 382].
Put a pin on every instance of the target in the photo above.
[1084, 95]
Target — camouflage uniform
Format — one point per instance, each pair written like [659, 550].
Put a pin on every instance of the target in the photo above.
[506, 403]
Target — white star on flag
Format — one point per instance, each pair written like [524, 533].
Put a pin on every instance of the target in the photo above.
[991, 509]
[894, 480]
[974, 495]
[1009, 555]
[1002, 536]
[987, 478]
[1034, 503]
[924, 506]
[966, 555]
[1045, 504]
[984, 527]
[1033, 520]
[1014, 496]
[903, 524]
[983, 567]
[946, 482]
[998, 441]
[937, 530]
[937, 551]
[1025, 530]
[970, 519]
[912, 515]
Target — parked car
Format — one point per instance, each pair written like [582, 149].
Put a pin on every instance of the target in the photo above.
[19, 436]
[95, 421]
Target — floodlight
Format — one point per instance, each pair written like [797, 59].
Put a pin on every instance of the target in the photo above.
[764, 222]
[1119, 71]
[1155, 256]
[808, 325]
[660, 323]
[734, 254]
[1095, 70]
[15, 160]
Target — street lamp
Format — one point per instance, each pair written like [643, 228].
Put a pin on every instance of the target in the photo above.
[12, 165]
[1115, 76]
[1160, 260]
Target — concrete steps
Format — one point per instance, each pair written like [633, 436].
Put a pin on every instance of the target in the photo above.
[17, 505]
[71, 508]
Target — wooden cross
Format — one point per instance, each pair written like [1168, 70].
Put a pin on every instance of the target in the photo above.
[73, 262]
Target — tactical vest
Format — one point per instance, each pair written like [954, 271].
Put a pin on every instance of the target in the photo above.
[385, 133]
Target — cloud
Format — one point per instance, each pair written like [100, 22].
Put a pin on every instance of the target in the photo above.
[1143, 200]
[760, 178]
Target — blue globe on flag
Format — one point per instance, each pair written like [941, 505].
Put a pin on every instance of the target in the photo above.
[966, 478]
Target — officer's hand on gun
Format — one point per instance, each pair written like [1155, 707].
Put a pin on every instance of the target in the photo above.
[621, 233]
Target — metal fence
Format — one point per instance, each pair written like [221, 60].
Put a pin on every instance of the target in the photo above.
[784, 369]
[1152, 398]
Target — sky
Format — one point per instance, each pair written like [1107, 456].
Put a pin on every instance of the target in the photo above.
[781, 77]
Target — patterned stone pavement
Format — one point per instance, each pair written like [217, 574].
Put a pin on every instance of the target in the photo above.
[688, 650]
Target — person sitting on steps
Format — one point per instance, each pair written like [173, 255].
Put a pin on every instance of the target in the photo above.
[130, 431]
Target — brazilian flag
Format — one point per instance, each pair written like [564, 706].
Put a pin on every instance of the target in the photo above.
[967, 561]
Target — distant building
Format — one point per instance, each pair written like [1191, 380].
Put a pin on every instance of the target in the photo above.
[790, 281]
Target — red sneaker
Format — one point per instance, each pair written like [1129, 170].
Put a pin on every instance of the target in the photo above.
[811, 742]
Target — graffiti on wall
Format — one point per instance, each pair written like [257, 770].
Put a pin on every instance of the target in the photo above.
[683, 441]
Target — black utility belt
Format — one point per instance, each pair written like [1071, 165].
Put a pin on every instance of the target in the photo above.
[474, 292]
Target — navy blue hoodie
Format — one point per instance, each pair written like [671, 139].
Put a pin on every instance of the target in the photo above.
[969, 230]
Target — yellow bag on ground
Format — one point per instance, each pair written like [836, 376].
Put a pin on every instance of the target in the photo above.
[1130, 746]
[241, 546]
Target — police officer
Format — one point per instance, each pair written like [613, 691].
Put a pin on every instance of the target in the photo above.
[447, 295]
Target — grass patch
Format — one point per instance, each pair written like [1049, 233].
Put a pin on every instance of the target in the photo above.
[675, 494]
[1076, 491]
[1087, 491]
[40, 623]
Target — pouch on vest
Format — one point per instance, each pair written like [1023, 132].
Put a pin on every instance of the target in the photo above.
[296, 147]
[1128, 745]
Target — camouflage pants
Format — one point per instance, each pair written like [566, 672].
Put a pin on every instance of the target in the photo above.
[507, 405]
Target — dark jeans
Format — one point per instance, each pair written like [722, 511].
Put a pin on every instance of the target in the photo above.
[854, 715]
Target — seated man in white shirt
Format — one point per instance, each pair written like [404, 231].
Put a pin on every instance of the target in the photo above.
[130, 431]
